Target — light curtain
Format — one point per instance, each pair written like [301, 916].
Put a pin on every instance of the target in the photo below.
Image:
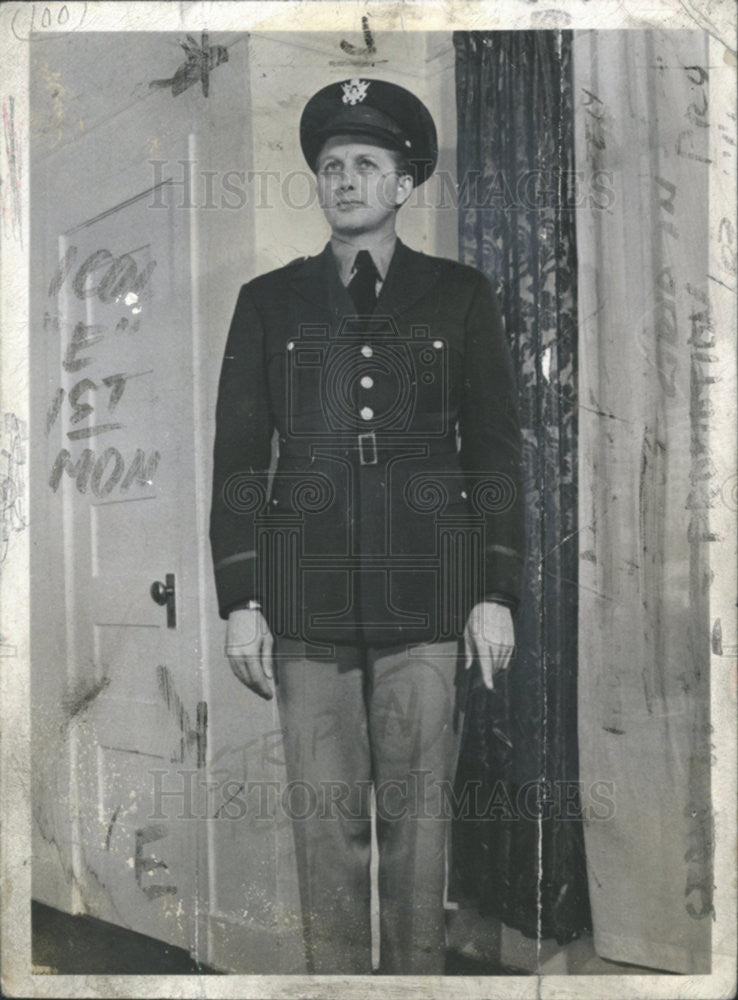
[648, 367]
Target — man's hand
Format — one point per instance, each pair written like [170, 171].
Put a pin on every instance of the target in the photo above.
[489, 637]
[249, 644]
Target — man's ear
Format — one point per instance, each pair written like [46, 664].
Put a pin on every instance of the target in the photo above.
[405, 187]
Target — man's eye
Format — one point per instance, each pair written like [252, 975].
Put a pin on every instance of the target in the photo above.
[331, 167]
[366, 165]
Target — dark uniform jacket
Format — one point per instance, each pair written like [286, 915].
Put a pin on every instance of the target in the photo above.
[397, 501]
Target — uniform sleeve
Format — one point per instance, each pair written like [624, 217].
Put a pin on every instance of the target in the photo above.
[491, 449]
[242, 454]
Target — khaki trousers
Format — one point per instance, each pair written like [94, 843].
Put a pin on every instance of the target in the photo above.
[385, 720]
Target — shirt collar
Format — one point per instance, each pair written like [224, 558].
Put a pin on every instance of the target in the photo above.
[345, 254]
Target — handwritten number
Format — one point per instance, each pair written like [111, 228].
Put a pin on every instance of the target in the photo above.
[54, 408]
[25, 21]
[121, 275]
[143, 277]
[65, 265]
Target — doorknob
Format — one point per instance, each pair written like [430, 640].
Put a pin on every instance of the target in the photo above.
[163, 594]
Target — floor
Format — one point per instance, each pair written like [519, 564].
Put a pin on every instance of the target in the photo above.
[82, 945]
[487, 941]
[69, 945]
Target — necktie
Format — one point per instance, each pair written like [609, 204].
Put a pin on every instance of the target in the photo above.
[363, 286]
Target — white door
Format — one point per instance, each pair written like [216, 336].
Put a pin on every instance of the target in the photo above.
[141, 733]
[121, 427]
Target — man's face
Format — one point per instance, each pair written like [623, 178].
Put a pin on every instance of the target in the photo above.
[359, 186]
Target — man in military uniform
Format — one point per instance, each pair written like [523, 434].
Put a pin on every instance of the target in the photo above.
[387, 546]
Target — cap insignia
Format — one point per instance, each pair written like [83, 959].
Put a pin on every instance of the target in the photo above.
[354, 91]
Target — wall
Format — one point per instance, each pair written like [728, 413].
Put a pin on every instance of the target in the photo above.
[285, 70]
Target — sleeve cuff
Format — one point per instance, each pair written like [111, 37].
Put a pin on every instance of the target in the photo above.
[239, 606]
[507, 600]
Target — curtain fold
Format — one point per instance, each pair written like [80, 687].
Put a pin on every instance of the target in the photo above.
[520, 854]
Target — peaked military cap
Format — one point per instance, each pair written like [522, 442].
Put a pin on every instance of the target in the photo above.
[387, 114]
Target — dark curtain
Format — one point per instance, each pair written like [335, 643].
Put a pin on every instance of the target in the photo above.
[519, 853]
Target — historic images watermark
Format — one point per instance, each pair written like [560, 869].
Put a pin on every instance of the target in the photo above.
[191, 794]
[183, 184]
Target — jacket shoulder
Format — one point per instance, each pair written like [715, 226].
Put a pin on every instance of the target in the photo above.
[454, 270]
[272, 281]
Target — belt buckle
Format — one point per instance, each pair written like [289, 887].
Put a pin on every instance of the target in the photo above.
[371, 439]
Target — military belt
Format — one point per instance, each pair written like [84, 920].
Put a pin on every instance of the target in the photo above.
[370, 448]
